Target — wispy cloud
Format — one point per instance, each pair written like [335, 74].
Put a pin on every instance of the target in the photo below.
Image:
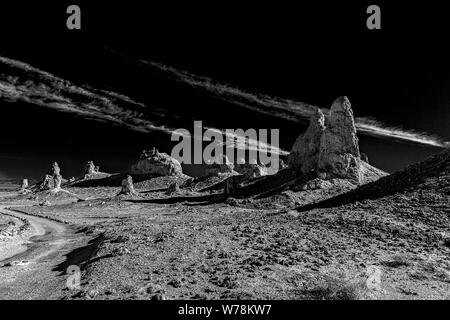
[23, 82]
[47, 90]
[286, 109]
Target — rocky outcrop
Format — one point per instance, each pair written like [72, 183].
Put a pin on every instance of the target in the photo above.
[332, 150]
[230, 187]
[47, 183]
[155, 164]
[174, 188]
[306, 149]
[128, 187]
[339, 151]
[57, 180]
[91, 172]
[250, 170]
[364, 157]
[52, 180]
[24, 185]
[282, 164]
[90, 168]
[54, 170]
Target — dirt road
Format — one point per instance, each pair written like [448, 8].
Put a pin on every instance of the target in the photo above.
[28, 260]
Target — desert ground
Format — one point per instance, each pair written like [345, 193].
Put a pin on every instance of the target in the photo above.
[155, 245]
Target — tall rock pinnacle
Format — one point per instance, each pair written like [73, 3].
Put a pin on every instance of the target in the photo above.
[339, 144]
[332, 150]
[305, 151]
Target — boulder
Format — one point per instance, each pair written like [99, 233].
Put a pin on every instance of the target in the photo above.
[156, 164]
[306, 149]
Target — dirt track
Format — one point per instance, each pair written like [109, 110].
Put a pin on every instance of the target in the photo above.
[29, 260]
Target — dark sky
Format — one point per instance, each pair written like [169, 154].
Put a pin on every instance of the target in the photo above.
[311, 53]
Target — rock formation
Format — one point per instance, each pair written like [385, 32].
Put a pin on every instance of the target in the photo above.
[24, 184]
[305, 151]
[128, 187]
[364, 157]
[47, 183]
[339, 150]
[332, 150]
[54, 170]
[52, 180]
[24, 188]
[220, 165]
[156, 164]
[174, 188]
[57, 180]
[92, 172]
[282, 165]
[251, 170]
[230, 186]
[90, 168]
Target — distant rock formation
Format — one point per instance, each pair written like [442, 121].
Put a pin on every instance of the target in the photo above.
[57, 180]
[90, 168]
[24, 188]
[52, 179]
[174, 188]
[220, 165]
[251, 170]
[127, 187]
[282, 165]
[54, 170]
[24, 185]
[155, 164]
[332, 150]
[47, 183]
[364, 157]
[230, 187]
[92, 172]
